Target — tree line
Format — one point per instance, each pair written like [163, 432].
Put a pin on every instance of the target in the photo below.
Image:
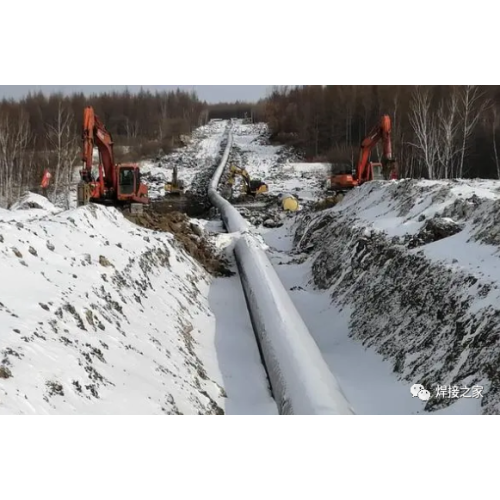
[228, 110]
[437, 131]
[39, 132]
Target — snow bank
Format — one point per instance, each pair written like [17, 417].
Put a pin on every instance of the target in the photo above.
[29, 206]
[418, 264]
[302, 382]
[98, 315]
[31, 201]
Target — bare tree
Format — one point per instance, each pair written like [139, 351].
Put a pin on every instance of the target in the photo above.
[14, 139]
[495, 124]
[163, 121]
[62, 141]
[473, 105]
[55, 138]
[5, 177]
[133, 128]
[448, 117]
[423, 123]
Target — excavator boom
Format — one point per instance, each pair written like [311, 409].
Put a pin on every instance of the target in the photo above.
[95, 134]
[253, 186]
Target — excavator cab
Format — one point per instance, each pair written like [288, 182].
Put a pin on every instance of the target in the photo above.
[126, 181]
[129, 183]
[377, 172]
[256, 187]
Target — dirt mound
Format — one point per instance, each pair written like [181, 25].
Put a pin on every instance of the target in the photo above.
[189, 235]
[434, 230]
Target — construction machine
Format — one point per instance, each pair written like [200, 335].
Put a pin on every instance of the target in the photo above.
[366, 171]
[111, 184]
[251, 187]
[176, 186]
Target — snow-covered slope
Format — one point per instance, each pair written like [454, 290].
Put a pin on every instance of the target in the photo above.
[416, 264]
[98, 315]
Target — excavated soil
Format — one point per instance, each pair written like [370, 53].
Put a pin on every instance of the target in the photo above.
[190, 236]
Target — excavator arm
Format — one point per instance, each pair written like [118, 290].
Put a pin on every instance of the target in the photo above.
[95, 134]
[381, 132]
[253, 187]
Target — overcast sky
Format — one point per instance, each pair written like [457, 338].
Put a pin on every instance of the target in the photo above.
[209, 93]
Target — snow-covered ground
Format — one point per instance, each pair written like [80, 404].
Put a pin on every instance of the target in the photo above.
[98, 315]
[276, 165]
[202, 152]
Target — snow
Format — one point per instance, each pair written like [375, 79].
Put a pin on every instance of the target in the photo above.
[238, 357]
[402, 208]
[31, 200]
[30, 206]
[202, 152]
[89, 326]
[275, 164]
[396, 206]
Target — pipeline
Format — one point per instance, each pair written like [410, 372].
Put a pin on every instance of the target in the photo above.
[301, 381]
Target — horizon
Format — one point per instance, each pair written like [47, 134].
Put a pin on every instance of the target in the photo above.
[212, 94]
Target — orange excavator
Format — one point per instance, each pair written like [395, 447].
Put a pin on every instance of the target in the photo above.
[118, 185]
[366, 171]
